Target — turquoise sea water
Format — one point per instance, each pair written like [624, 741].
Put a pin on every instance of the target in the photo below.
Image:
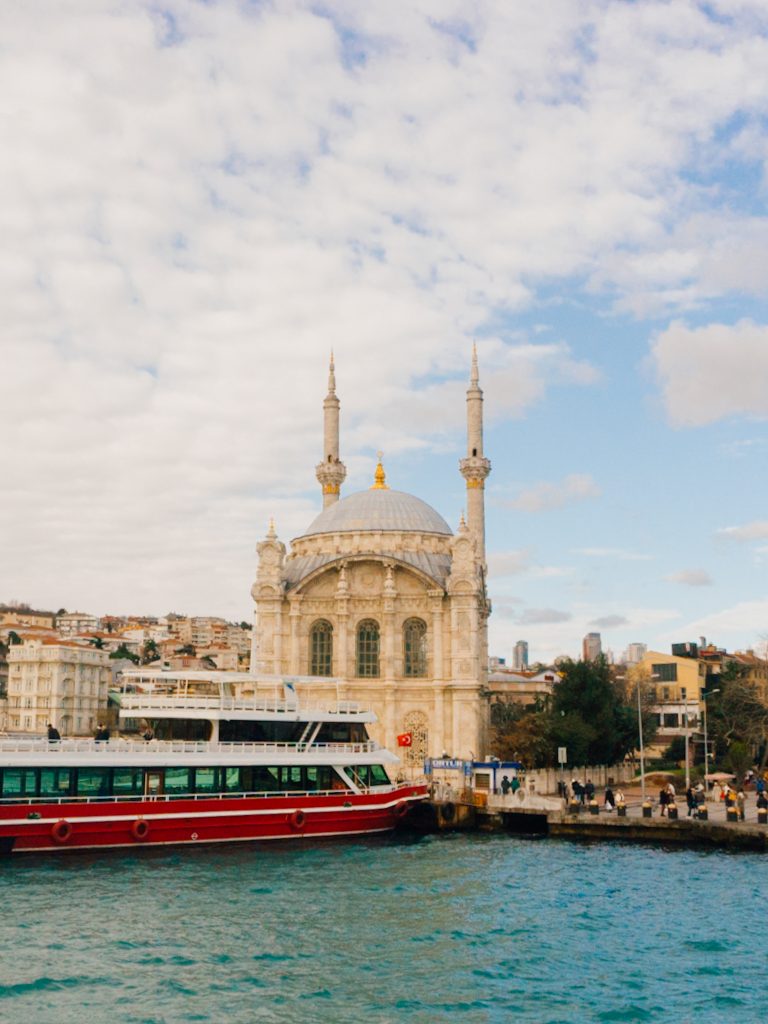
[452, 928]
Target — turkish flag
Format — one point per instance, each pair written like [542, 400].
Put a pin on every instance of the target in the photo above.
[405, 739]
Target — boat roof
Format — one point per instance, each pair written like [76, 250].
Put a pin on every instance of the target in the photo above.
[153, 693]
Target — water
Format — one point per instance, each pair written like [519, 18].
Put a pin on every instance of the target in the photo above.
[464, 928]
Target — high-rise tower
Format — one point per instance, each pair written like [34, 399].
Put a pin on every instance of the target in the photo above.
[475, 467]
[331, 471]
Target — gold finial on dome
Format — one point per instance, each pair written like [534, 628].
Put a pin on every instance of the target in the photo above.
[379, 477]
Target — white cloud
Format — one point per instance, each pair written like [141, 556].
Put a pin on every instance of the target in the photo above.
[757, 530]
[618, 554]
[713, 372]
[199, 203]
[576, 487]
[609, 622]
[691, 578]
[508, 563]
[536, 616]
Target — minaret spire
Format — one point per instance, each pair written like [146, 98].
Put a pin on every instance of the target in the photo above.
[331, 471]
[475, 467]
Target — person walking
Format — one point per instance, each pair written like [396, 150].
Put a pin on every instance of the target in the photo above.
[690, 799]
[610, 801]
[663, 801]
[589, 791]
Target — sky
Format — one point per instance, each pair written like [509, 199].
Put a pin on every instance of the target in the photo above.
[199, 200]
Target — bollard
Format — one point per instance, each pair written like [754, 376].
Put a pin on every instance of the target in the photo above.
[621, 810]
[574, 807]
[762, 815]
[647, 809]
[672, 812]
[594, 807]
[731, 814]
[703, 813]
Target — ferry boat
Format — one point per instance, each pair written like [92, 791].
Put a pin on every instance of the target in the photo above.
[199, 765]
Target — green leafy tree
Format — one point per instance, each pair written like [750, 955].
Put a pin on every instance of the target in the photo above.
[13, 638]
[123, 652]
[593, 715]
[736, 714]
[97, 642]
[187, 649]
[208, 661]
[149, 652]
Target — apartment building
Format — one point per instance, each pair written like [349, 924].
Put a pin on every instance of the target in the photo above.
[62, 683]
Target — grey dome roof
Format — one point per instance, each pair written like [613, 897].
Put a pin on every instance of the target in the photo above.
[379, 510]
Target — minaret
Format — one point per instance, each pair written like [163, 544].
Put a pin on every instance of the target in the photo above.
[475, 467]
[331, 471]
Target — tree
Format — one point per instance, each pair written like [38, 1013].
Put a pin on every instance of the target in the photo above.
[149, 652]
[14, 639]
[736, 713]
[123, 652]
[593, 715]
[520, 733]
[208, 661]
[97, 642]
[186, 649]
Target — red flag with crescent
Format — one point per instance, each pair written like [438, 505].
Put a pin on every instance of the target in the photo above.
[405, 739]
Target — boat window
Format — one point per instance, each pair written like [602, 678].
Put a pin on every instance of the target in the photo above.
[266, 780]
[93, 781]
[366, 775]
[127, 781]
[55, 781]
[206, 780]
[291, 777]
[19, 782]
[318, 777]
[232, 781]
[176, 780]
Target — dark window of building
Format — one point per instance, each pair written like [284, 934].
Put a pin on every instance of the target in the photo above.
[368, 649]
[321, 649]
[665, 673]
[415, 648]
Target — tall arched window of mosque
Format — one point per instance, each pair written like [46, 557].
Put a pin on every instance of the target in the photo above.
[321, 648]
[368, 648]
[414, 647]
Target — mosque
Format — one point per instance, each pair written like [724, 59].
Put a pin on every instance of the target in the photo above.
[382, 603]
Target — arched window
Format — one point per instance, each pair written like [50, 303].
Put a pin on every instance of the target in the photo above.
[368, 648]
[321, 648]
[414, 648]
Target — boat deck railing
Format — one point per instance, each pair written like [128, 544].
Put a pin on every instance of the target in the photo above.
[156, 700]
[110, 748]
[298, 794]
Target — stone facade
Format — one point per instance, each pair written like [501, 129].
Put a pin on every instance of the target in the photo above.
[381, 603]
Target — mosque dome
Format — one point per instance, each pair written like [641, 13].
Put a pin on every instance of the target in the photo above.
[379, 510]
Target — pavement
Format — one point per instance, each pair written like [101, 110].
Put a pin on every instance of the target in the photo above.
[715, 808]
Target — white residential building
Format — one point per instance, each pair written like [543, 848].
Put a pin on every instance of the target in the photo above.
[62, 683]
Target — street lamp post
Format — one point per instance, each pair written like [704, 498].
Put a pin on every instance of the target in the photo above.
[687, 755]
[642, 747]
[704, 695]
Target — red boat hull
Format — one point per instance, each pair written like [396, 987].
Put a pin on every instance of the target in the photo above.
[28, 827]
